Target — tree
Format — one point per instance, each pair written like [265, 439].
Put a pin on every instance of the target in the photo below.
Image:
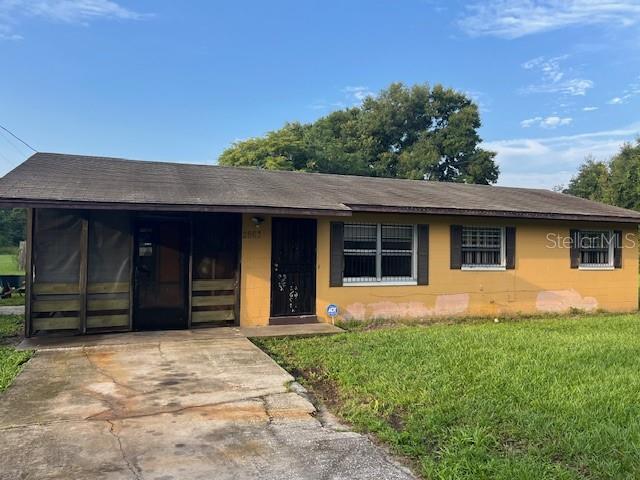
[407, 132]
[616, 182]
[592, 181]
[624, 183]
[283, 149]
[13, 223]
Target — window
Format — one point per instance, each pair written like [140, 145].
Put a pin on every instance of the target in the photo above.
[376, 253]
[360, 252]
[483, 248]
[596, 249]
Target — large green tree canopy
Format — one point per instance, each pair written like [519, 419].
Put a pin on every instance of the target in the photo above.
[616, 182]
[413, 132]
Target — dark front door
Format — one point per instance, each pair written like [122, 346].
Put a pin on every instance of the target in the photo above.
[161, 271]
[293, 267]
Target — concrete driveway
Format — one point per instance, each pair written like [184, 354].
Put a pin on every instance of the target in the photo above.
[201, 404]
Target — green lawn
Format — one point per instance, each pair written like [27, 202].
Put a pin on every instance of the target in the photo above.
[11, 360]
[9, 265]
[13, 301]
[538, 399]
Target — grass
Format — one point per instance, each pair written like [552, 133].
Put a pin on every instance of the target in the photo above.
[13, 301]
[9, 265]
[11, 360]
[538, 399]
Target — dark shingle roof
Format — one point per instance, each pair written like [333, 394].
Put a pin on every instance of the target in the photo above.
[49, 179]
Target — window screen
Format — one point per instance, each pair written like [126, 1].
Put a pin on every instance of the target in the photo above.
[215, 246]
[595, 248]
[360, 252]
[397, 252]
[109, 270]
[56, 253]
[56, 270]
[482, 246]
[376, 252]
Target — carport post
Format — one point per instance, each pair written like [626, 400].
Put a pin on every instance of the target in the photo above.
[190, 274]
[28, 277]
[84, 248]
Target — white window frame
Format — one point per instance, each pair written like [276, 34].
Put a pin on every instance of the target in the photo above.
[597, 266]
[380, 280]
[503, 253]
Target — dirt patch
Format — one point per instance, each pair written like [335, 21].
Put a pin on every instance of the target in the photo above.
[322, 387]
[396, 420]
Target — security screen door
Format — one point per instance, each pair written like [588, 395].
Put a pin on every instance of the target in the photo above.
[293, 267]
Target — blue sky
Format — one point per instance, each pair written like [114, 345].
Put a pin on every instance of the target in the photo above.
[180, 81]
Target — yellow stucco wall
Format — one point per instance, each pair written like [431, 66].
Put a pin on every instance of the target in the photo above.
[255, 272]
[542, 280]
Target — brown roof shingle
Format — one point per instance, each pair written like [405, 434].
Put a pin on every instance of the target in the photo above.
[49, 179]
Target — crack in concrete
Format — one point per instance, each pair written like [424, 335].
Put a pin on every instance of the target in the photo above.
[132, 468]
[181, 409]
[265, 405]
[162, 355]
[91, 418]
[108, 375]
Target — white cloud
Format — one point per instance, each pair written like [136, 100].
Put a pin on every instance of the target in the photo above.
[550, 67]
[546, 162]
[352, 96]
[530, 122]
[633, 90]
[357, 94]
[554, 79]
[518, 18]
[555, 121]
[551, 121]
[589, 109]
[79, 12]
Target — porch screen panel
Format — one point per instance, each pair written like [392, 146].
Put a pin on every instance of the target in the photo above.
[109, 271]
[56, 270]
[216, 239]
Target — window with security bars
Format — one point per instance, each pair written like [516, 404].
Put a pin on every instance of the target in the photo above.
[379, 253]
[483, 247]
[596, 248]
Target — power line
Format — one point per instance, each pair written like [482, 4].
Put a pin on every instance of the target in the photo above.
[18, 138]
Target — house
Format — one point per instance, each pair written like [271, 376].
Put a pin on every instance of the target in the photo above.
[117, 245]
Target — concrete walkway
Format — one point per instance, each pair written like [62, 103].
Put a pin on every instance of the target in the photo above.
[173, 406]
[8, 310]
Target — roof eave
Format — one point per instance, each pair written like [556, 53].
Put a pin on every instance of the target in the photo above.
[279, 210]
[493, 213]
[261, 209]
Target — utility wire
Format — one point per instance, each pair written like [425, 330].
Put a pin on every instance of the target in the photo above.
[18, 138]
